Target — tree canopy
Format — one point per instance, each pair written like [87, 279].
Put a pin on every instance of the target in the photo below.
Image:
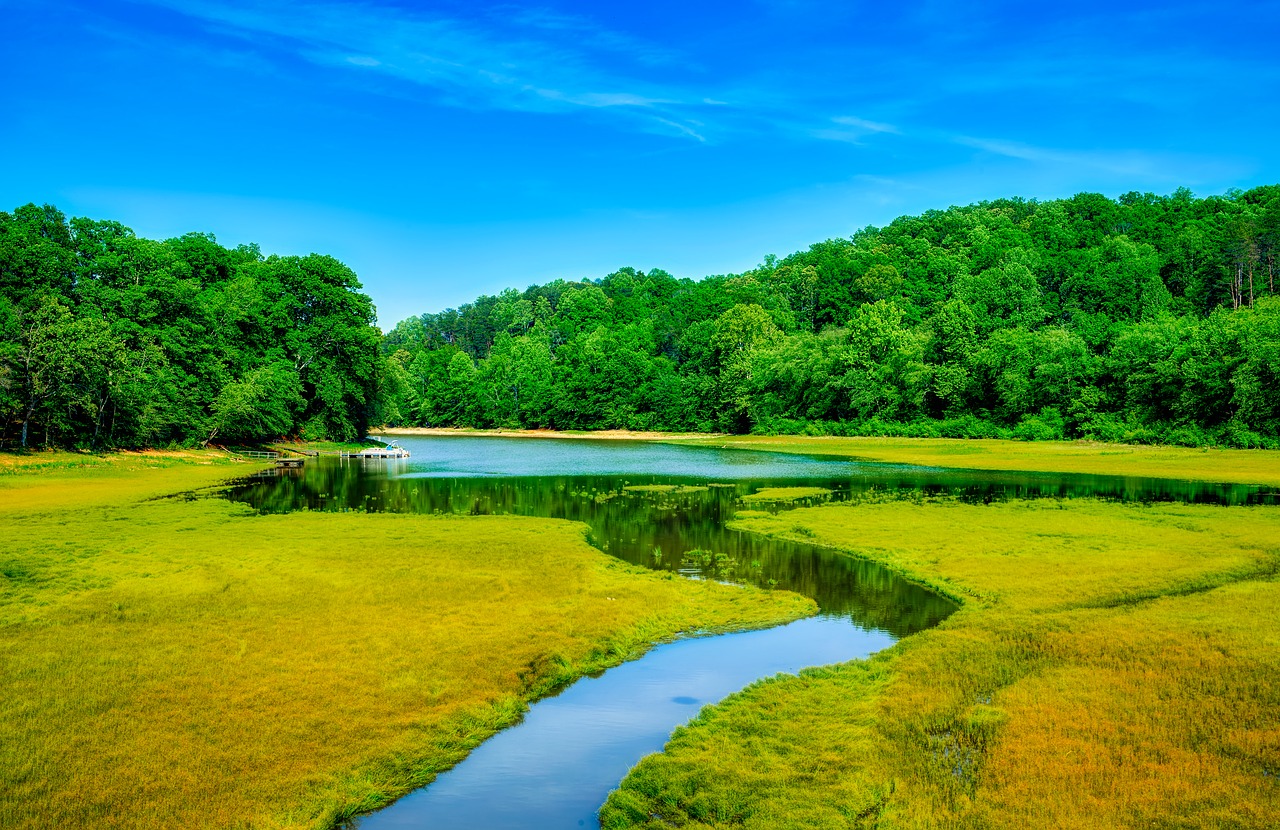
[110, 340]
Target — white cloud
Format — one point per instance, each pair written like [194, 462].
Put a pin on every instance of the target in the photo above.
[1134, 165]
[865, 125]
[533, 67]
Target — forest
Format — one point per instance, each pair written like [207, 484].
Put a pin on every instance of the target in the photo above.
[1144, 319]
[109, 340]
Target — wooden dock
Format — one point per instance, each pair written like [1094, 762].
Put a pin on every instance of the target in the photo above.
[392, 450]
[297, 458]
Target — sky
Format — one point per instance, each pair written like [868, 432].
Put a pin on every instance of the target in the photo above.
[448, 149]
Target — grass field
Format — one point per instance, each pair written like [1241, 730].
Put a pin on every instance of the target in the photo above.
[188, 663]
[1112, 665]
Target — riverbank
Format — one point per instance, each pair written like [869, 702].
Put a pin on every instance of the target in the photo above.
[1113, 665]
[1089, 457]
[189, 662]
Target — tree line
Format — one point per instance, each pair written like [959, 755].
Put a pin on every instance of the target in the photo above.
[1141, 319]
[111, 340]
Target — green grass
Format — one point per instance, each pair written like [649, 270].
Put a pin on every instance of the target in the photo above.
[189, 663]
[325, 446]
[1216, 465]
[1112, 665]
[787, 495]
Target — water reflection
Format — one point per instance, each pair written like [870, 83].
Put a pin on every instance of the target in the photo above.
[595, 482]
[681, 530]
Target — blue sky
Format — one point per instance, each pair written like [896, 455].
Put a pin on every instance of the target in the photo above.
[449, 149]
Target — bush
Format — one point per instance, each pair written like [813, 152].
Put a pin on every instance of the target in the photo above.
[1047, 426]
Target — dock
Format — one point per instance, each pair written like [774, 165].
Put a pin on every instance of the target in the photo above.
[299, 457]
[389, 452]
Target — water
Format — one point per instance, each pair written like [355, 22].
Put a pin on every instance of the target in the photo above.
[555, 768]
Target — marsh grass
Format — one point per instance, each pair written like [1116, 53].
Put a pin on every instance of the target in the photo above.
[189, 663]
[1216, 465]
[1113, 665]
[787, 496]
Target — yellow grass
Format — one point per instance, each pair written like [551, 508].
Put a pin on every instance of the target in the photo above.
[1113, 665]
[175, 663]
[1216, 465]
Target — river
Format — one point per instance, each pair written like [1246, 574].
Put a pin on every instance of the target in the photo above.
[665, 507]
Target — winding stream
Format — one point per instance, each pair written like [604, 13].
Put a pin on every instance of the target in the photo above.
[664, 507]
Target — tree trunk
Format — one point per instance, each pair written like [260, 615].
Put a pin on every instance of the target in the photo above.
[97, 420]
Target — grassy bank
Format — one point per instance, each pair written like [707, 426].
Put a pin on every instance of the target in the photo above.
[1216, 465]
[1113, 665]
[188, 663]
[326, 447]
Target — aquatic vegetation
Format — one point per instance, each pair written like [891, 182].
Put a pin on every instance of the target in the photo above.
[1112, 665]
[787, 495]
[191, 662]
[664, 488]
[655, 491]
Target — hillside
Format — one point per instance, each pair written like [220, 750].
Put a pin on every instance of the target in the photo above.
[1142, 319]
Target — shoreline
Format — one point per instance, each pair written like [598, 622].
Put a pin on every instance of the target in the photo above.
[595, 435]
[1247, 467]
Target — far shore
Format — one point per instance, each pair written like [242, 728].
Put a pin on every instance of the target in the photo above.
[1253, 467]
[602, 434]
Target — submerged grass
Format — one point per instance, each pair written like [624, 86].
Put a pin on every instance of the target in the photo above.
[1216, 465]
[664, 488]
[188, 663]
[1112, 665]
[787, 495]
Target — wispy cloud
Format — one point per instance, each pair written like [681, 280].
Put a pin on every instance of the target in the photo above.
[864, 125]
[1122, 162]
[852, 130]
[587, 32]
[533, 61]
[1131, 164]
